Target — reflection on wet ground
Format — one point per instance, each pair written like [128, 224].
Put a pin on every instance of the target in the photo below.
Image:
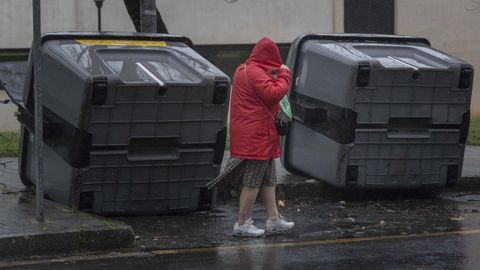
[426, 223]
[319, 218]
[381, 230]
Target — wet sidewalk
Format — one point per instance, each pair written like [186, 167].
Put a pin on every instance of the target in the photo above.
[389, 230]
[321, 213]
[64, 230]
[334, 214]
[325, 212]
[471, 163]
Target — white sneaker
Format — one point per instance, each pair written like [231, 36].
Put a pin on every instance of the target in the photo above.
[280, 225]
[247, 229]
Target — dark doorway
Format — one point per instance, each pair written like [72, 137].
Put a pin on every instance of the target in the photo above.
[370, 16]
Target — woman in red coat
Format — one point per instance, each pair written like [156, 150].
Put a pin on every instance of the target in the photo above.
[258, 87]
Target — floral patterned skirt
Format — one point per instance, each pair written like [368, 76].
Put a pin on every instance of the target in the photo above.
[246, 172]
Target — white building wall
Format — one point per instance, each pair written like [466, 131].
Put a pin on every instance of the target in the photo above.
[246, 21]
[451, 26]
[57, 15]
[204, 21]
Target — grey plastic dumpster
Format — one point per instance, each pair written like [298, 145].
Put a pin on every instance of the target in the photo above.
[134, 123]
[376, 111]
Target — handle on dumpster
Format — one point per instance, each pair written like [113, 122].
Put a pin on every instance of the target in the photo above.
[409, 128]
[159, 155]
[153, 149]
[309, 114]
[408, 134]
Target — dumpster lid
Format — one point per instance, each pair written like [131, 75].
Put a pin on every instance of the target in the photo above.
[367, 38]
[115, 36]
[133, 57]
[297, 44]
[13, 62]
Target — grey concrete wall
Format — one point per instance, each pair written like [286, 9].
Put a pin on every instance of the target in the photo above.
[204, 21]
[451, 26]
[245, 21]
[57, 15]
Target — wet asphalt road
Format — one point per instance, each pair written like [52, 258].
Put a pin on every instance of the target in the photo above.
[431, 253]
[389, 230]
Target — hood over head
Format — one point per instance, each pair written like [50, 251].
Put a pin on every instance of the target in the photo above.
[265, 54]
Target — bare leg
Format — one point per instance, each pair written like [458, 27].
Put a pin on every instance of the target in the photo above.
[247, 200]
[268, 194]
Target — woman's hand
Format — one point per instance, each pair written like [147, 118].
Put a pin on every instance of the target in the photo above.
[285, 67]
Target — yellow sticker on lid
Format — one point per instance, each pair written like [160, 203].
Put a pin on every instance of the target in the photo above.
[112, 42]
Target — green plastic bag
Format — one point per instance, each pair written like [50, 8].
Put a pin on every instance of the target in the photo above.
[286, 108]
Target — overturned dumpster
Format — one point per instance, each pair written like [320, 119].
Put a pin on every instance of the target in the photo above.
[376, 111]
[133, 124]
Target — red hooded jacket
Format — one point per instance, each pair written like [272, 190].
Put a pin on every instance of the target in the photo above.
[253, 134]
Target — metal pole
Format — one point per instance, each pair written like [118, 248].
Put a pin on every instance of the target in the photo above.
[37, 60]
[148, 16]
[99, 4]
[99, 20]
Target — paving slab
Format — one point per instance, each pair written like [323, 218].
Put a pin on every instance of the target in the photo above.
[471, 162]
[65, 230]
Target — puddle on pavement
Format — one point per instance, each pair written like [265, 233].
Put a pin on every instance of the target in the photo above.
[461, 197]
